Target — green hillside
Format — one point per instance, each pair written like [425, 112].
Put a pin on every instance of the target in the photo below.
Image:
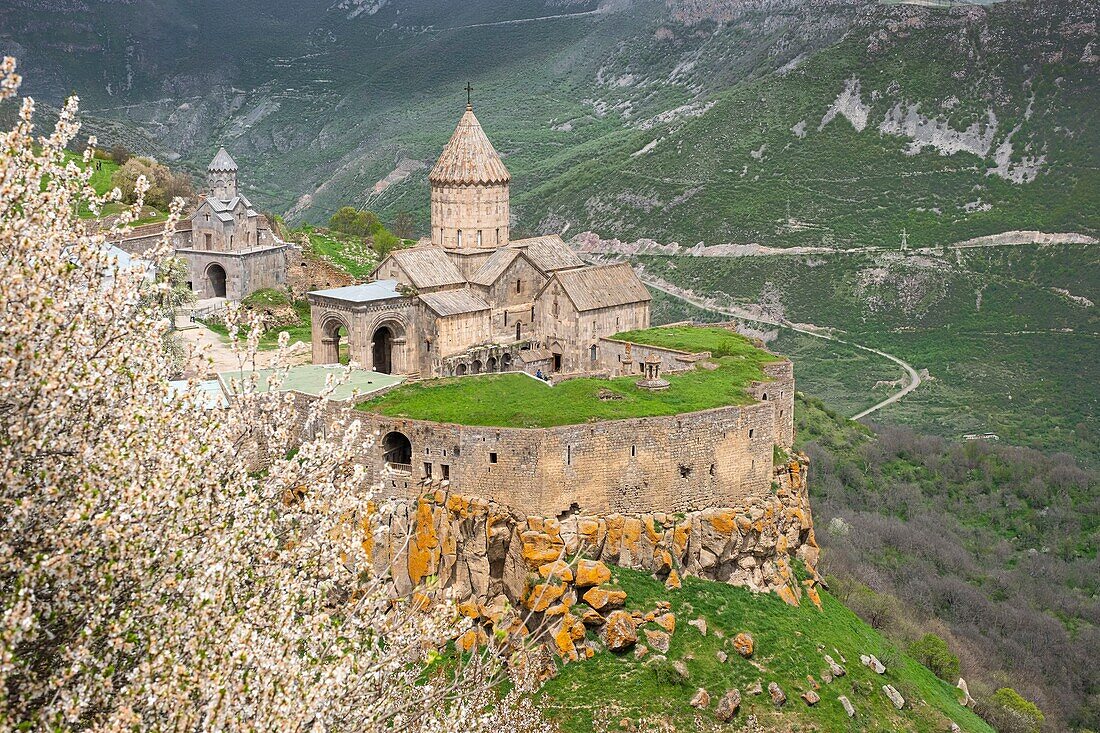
[790, 644]
[1006, 333]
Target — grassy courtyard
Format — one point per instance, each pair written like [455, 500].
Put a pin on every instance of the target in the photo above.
[519, 401]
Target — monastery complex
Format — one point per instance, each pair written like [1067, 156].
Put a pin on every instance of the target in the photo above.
[469, 299]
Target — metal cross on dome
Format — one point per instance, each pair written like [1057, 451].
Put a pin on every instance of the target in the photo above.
[469, 89]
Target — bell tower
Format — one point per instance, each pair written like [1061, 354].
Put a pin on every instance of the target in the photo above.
[469, 190]
[221, 176]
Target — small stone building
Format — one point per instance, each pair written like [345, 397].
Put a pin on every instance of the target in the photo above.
[468, 299]
[230, 248]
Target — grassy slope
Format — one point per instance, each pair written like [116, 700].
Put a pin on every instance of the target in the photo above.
[353, 255]
[516, 400]
[610, 687]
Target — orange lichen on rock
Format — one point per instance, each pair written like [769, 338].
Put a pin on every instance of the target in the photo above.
[557, 569]
[543, 595]
[591, 572]
[424, 548]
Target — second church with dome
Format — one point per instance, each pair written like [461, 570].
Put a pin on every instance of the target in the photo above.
[469, 299]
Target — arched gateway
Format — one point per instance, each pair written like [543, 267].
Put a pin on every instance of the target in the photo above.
[397, 452]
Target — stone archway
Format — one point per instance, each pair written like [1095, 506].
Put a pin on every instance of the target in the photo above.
[475, 367]
[460, 370]
[215, 280]
[397, 452]
[556, 353]
[491, 364]
[382, 350]
[505, 362]
[333, 332]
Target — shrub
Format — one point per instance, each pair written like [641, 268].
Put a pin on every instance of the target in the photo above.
[120, 154]
[385, 242]
[164, 185]
[932, 651]
[1009, 712]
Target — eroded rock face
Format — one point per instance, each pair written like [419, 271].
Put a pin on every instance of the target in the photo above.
[479, 550]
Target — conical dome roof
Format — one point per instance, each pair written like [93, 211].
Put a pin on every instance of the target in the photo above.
[469, 157]
[222, 162]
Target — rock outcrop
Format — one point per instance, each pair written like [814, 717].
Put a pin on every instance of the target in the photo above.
[477, 549]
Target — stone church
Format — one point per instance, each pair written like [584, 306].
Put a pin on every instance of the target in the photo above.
[469, 299]
[229, 247]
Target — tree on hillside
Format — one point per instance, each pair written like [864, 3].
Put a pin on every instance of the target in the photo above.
[153, 577]
[120, 153]
[355, 222]
[933, 652]
[385, 242]
[164, 185]
[404, 225]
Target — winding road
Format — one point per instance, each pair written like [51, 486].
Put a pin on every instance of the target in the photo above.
[914, 380]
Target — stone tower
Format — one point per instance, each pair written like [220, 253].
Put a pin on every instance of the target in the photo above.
[469, 191]
[221, 176]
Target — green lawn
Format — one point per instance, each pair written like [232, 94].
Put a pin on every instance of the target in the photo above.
[790, 644]
[517, 400]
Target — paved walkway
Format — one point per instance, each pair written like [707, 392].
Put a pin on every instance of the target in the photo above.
[207, 353]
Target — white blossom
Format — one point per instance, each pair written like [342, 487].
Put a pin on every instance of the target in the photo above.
[164, 566]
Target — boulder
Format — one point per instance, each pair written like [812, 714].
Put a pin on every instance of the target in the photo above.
[558, 569]
[894, 695]
[667, 622]
[871, 661]
[699, 623]
[755, 688]
[681, 669]
[743, 643]
[964, 694]
[811, 697]
[591, 618]
[591, 572]
[779, 698]
[847, 705]
[658, 640]
[722, 656]
[701, 699]
[728, 705]
[826, 676]
[619, 632]
[600, 598]
[543, 596]
[835, 669]
[640, 651]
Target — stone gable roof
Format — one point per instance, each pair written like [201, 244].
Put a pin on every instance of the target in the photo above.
[491, 270]
[454, 302]
[548, 253]
[602, 286]
[469, 158]
[222, 162]
[427, 267]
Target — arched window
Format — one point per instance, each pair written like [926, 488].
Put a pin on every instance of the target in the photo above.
[519, 331]
[592, 352]
[478, 237]
[460, 239]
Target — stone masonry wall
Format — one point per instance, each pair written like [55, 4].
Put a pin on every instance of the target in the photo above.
[683, 462]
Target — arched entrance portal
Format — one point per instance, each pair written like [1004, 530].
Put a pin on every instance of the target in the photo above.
[335, 346]
[475, 368]
[505, 362]
[382, 350]
[215, 280]
[460, 370]
[397, 452]
[491, 364]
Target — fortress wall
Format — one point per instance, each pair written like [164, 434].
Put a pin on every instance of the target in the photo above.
[780, 392]
[677, 463]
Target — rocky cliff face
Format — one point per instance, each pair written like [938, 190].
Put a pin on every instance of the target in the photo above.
[492, 557]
